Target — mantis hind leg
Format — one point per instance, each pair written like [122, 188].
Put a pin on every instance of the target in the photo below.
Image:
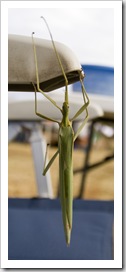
[46, 167]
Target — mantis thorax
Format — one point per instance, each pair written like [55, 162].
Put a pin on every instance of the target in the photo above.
[65, 113]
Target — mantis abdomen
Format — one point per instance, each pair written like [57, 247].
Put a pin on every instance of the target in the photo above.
[66, 177]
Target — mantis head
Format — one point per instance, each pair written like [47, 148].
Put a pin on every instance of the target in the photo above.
[65, 108]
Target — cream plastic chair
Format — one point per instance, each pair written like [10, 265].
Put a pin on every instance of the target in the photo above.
[21, 72]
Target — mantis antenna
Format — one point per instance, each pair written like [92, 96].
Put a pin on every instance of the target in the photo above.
[59, 60]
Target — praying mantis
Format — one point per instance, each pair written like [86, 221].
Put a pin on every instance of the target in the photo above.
[66, 139]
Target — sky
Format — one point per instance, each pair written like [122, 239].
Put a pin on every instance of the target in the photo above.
[89, 32]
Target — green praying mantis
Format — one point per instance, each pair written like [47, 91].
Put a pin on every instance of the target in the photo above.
[66, 139]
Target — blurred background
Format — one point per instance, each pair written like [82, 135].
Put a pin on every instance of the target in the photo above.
[90, 35]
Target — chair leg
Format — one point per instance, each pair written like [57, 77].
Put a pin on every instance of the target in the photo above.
[38, 145]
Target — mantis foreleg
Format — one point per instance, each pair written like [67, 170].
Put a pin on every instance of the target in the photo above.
[80, 128]
[84, 107]
[39, 114]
